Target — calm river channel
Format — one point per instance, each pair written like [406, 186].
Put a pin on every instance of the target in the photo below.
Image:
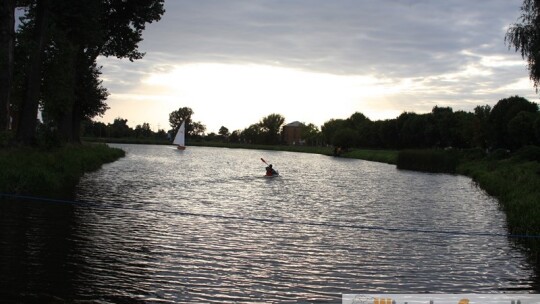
[204, 225]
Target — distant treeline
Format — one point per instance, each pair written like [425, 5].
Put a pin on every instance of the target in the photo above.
[512, 123]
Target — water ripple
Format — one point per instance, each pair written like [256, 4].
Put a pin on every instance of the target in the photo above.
[205, 226]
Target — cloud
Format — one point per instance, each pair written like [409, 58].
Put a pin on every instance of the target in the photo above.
[425, 52]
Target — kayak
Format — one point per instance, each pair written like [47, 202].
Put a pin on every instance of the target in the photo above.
[273, 175]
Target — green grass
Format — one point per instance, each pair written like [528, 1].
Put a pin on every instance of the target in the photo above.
[52, 171]
[516, 184]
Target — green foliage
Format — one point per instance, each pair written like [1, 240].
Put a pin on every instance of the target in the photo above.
[345, 138]
[48, 172]
[499, 154]
[528, 153]
[500, 116]
[270, 127]
[523, 36]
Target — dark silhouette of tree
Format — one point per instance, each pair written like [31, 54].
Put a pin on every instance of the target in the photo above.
[115, 29]
[330, 128]
[271, 127]
[224, 132]
[502, 113]
[521, 129]
[27, 122]
[235, 136]
[143, 130]
[311, 134]
[253, 134]
[7, 61]
[193, 128]
[119, 128]
[524, 36]
[198, 129]
[345, 138]
[181, 115]
[481, 128]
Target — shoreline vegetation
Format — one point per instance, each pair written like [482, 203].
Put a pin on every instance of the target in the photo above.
[51, 172]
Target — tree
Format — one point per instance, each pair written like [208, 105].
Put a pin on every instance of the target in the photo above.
[115, 29]
[330, 127]
[119, 128]
[521, 129]
[311, 134]
[143, 130]
[235, 136]
[345, 138]
[524, 36]
[252, 134]
[7, 43]
[197, 129]
[181, 115]
[481, 126]
[26, 130]
[224, 132]
[502, 113]
[271, 127]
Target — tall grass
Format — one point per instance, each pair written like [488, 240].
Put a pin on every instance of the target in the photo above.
[382, 156]
[49, 172]
[434, 161]
[516, 185]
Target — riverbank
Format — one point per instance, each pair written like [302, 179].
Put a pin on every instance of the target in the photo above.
[51, 172]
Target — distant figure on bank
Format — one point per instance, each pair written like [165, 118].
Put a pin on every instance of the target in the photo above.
[270, 171]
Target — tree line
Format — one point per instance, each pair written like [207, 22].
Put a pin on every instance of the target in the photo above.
[512, 123]
[49, 63]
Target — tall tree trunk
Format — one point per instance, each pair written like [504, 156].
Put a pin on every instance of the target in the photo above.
[76, 122]
[7, 33]
[65, 125]
[26, 131]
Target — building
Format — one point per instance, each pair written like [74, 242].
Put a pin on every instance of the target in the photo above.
[292, 133]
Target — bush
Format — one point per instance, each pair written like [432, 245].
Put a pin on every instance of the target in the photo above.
[434, 161]
[499, 154]
[529, 153]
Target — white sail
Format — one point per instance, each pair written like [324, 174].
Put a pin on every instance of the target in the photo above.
[179, 140]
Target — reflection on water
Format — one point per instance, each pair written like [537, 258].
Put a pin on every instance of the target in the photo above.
[204, 225]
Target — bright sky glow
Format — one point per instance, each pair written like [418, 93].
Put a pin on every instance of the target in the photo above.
[234, 62]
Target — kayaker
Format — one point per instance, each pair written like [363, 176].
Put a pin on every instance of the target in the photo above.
[270, 171]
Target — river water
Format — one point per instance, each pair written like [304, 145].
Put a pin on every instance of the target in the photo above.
[204, 225]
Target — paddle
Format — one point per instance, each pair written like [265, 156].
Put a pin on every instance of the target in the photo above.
[264, 161]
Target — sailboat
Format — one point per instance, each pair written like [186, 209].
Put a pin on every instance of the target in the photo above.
[180, 138]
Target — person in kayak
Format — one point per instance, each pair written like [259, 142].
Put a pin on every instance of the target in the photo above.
[270, 171]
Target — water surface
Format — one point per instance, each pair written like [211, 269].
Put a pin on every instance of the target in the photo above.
[204, 225]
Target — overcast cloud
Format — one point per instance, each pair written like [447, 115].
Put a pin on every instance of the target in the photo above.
[452, 52]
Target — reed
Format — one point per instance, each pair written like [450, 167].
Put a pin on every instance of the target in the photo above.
[382, 156]
[434, 161]
[52, 171]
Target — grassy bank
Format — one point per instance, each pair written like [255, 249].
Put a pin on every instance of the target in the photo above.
[50, 172]
[516, 184]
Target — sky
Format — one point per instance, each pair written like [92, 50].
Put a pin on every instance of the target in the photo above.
[234, 62]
